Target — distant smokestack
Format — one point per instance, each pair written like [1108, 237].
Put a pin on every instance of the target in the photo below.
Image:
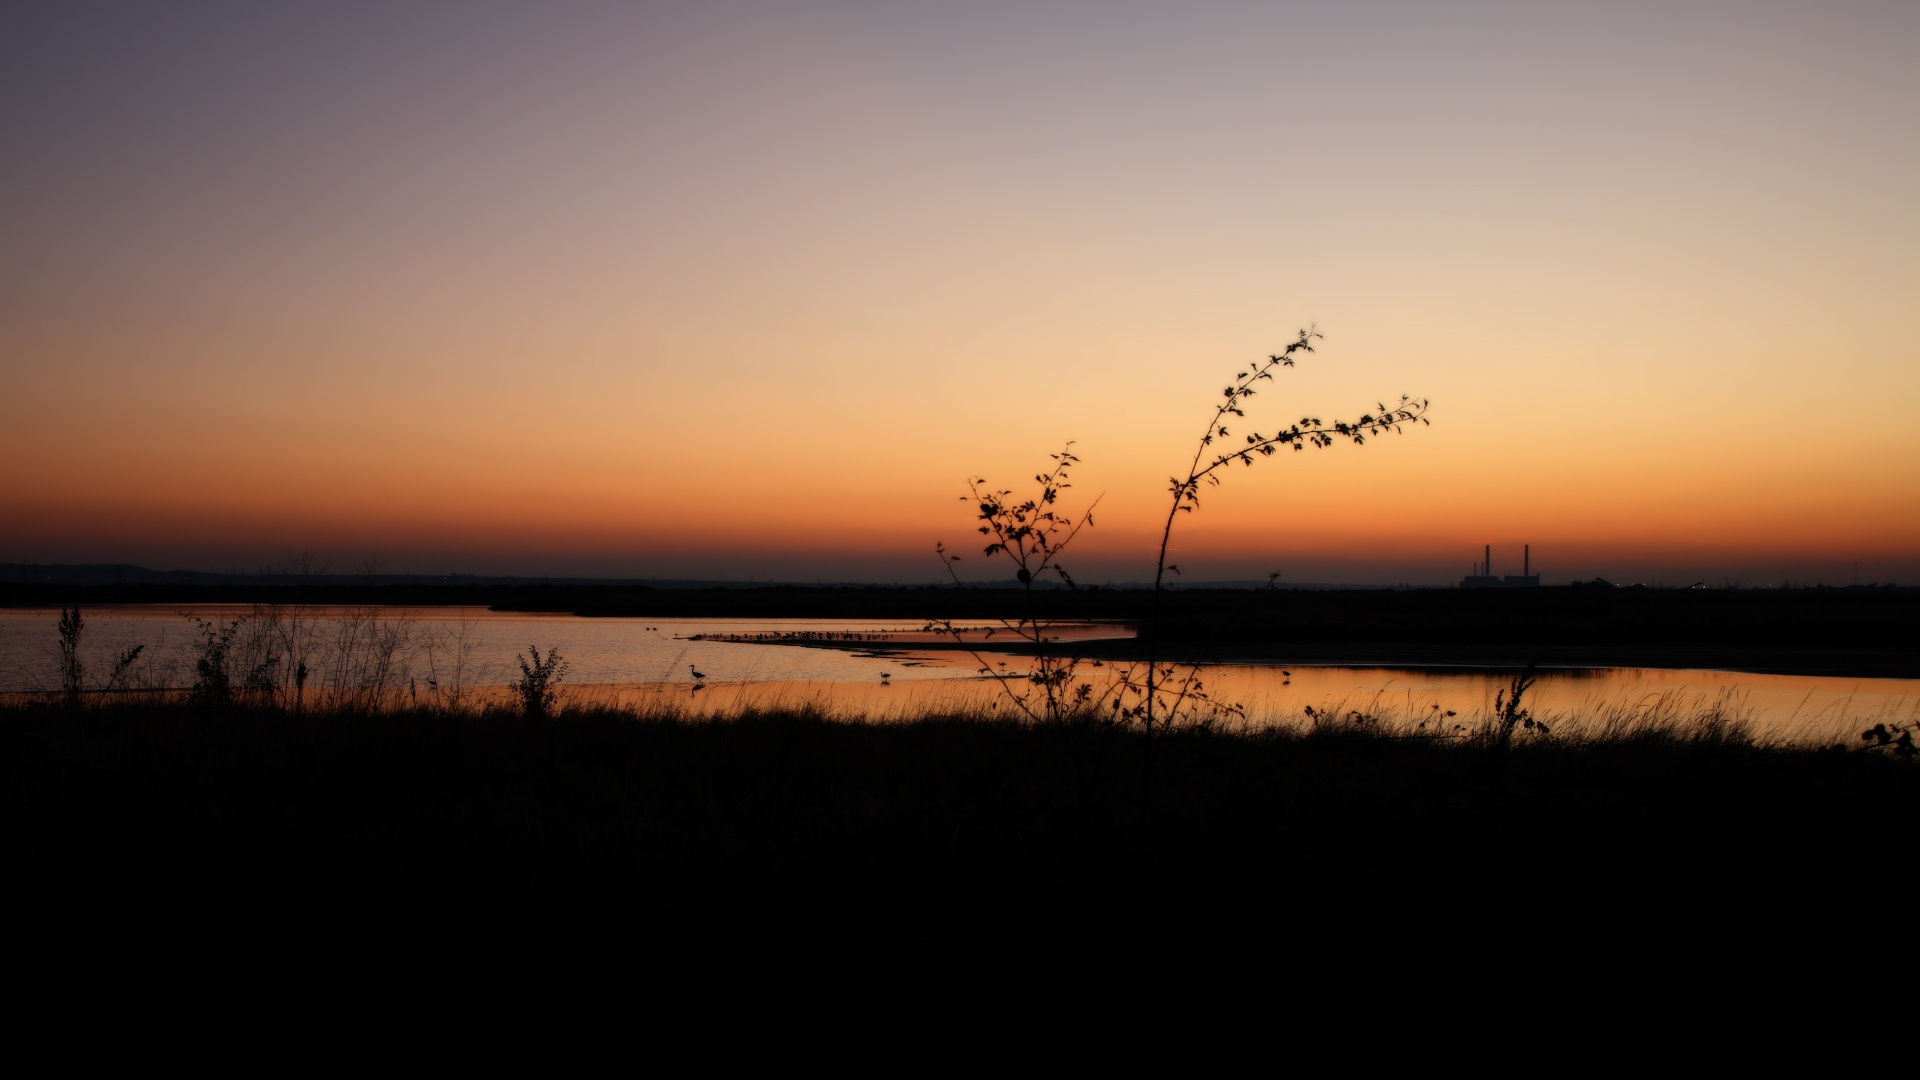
[1489, 570]
[1526, 559]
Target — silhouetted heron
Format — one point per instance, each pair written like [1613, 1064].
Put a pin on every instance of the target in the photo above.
[697, 673]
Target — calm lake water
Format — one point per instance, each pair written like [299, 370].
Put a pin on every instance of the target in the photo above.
[432, 649]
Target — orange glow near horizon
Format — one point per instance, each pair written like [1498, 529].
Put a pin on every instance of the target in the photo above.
[654, 294]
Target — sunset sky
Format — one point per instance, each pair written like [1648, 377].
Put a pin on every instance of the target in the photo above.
[746, 290]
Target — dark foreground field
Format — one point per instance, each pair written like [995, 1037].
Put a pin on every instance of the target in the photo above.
[234, 831]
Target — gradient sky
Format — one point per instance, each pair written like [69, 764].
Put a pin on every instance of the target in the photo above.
[729, 290]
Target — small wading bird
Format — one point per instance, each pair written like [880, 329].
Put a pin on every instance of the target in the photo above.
[885, 675]
[697, 673]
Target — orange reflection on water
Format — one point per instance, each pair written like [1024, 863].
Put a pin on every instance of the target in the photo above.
[1769, 708]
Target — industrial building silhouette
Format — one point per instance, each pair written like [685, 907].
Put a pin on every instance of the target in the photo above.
[1483, 576]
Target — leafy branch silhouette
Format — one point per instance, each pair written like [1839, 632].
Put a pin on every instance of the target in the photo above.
[1032, 534]
[1893, 738]
[1210, 463]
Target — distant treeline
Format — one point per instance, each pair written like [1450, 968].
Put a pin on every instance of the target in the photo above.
[1863, 632]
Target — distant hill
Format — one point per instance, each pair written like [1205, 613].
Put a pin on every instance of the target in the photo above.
[129, 574]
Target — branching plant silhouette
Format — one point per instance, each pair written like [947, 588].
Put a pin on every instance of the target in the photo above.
[1507, 713]
[72, 668]
[1032, 535]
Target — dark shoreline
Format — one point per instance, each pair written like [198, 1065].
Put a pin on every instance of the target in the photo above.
[1871, 632]
[1414, 656]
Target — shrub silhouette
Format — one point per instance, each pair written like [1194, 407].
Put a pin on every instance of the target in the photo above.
[212, 677]
[72, 672]
[535, 686]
